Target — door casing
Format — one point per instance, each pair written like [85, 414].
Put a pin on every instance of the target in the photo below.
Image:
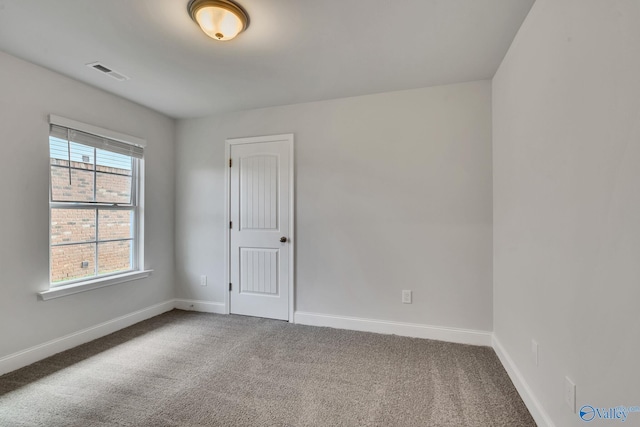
[227, 214]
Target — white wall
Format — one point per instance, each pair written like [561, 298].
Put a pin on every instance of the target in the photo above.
[566, 122]
[393, 192]
[28, 94]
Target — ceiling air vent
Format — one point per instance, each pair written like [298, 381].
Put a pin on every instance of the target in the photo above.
[108, 71]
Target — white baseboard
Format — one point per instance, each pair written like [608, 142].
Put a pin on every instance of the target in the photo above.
[198, 305]
[533, 405]
[31, 355]
[462, 336]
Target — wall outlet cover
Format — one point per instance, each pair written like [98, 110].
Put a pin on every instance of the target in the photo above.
[406, 297]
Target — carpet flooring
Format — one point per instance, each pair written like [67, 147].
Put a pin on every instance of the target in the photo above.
[196, 369]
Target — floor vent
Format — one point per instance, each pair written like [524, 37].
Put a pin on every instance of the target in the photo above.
[108, 71]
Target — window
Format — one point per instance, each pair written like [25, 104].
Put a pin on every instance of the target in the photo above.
[94, 206]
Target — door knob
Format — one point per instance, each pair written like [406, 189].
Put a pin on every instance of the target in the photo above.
[283, 239]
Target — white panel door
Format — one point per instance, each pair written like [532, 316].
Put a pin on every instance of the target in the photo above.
[260, 226]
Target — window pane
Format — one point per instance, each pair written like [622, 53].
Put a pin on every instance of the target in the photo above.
[113, 188]
[72, 225]
[114, 257]
[58, 151]
[80, 190]
[72, 262]
[115, 224]
[107, 161]
[81, 155]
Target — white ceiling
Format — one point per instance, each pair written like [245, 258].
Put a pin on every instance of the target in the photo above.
[293, 51]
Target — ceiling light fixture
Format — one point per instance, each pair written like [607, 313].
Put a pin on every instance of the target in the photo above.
[219, 19]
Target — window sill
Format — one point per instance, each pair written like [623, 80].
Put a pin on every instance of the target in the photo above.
[63, 291]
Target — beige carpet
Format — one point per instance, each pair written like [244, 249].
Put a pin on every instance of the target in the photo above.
[195, 369]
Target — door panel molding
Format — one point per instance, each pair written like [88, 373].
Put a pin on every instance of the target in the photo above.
[290, 233]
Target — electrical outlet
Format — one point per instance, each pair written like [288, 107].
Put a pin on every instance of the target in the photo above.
[534, 352]
[406, 297]
[570, 394]
[203, 280]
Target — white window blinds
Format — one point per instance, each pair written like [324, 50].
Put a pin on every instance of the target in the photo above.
[102, 143]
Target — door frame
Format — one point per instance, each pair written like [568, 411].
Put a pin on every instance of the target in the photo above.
[288, 137]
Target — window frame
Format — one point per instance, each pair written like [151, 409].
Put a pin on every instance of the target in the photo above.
[136, 206]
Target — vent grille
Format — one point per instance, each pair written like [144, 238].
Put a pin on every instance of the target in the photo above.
[108, 71]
